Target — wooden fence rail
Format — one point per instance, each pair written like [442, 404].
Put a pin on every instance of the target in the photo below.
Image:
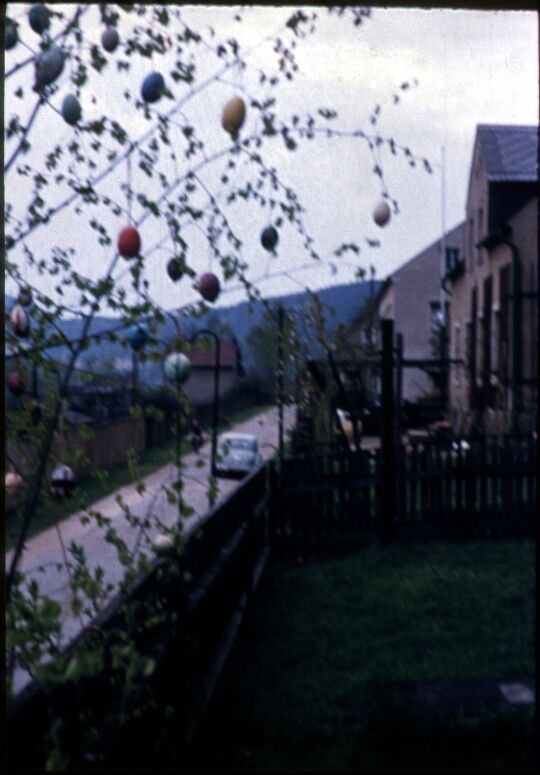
[204, 593]
[447, 489]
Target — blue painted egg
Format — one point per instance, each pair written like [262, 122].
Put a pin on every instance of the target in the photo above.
[269, 238]
[25, 297]
[137, 336]
[39, 17]
[71, 109]
[152, 87]
[11, 36]
[49, 65]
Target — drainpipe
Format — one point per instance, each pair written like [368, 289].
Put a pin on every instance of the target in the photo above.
[516, 329]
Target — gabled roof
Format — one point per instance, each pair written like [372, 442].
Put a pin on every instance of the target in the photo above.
[206, 358]
[510, 152]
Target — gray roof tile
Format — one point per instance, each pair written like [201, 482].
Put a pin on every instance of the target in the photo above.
[510, 152]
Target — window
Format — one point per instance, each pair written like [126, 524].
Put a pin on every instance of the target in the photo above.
[435, 307]
[503, 332]
[470, 243]
[451, 258]
[479, 234]
[457, 353]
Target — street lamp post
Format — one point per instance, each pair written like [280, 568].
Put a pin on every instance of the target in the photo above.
[217, 366]
[178, 383]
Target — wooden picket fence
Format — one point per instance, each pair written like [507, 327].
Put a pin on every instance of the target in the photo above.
[444, 489]
[301, 507]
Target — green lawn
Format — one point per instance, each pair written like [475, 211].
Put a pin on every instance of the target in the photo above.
[298, 690]
[94, 487]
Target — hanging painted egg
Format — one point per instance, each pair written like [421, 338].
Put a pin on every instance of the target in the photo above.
[137, 336]
[71, 109]
[110, 39]
[381, 213]
[129, 242]
[209, 286]
[177, 368]
[152, 87]
[234, 115]
[16, 383]
[19, 321]
[13, 482]
[163, 543]
[11, 35]
[25, 297]
[39, 17]
[62, 480]
[49, 65]
[269, 238]
[174, 269]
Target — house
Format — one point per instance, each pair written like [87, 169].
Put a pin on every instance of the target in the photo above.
[200, 386]
[493, 289]
[410, 297]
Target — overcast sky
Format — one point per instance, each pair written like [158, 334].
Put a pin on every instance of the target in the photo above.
[471, 67]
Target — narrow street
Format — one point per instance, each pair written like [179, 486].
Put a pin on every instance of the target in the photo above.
[43, 557]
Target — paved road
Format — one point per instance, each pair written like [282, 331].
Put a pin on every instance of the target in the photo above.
[43, 558]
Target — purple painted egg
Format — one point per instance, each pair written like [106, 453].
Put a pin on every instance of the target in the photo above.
[110, 39]
[209, 286]
[16, 383]
[381, 213]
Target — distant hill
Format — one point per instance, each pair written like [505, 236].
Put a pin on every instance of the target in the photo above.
[341, 304]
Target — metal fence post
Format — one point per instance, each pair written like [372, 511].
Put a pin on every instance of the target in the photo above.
[388, 493]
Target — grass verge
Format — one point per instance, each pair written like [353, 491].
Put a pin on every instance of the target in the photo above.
[94, 487]
[298, 691]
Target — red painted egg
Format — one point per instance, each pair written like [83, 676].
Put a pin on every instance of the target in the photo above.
[19, 321]
[16, 383]
[129, 242]
[209, 286]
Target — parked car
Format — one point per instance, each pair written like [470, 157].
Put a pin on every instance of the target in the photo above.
[238, 454]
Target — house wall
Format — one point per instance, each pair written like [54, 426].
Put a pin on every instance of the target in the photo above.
[414, 288]
[200, 386]
[481, 265]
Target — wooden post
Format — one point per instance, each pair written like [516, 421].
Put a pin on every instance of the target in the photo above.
[280, 370]
[516, 340]
[399, 385]
[388, 431]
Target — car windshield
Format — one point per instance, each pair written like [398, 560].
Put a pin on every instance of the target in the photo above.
[245, 444]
